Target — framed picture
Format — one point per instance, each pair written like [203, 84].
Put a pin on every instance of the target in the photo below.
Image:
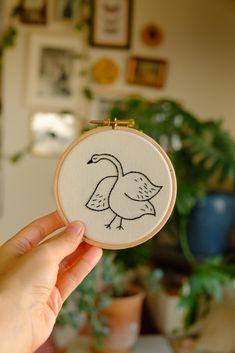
[33, 11]
[53, 79]
[101, 106]
[110, 23]
[65, 10]
[146, 72]
[52, 132]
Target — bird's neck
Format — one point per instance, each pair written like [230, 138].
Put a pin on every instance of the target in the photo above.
[116, 163]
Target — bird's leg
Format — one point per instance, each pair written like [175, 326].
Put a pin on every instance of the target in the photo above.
[120, 224]
[108, 226]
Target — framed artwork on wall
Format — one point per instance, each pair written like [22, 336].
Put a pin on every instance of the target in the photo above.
[53, 79]
[101, 106]
[65, 10]
[111, 23]
[33, 11]
[52, 132]
[146, 71]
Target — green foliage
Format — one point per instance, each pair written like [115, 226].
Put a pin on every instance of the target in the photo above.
[84, 21]
[10, 34]
[207, 281]
[8, 40]
[9, 37]
[139, 255]
[16, 157]
[214, 151]
[106, 281]
[154, 280]
[198, 151]
[87, 92]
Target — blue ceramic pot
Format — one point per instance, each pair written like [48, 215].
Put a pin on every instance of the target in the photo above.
[211, 223]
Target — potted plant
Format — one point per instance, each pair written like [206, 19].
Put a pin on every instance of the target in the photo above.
[177, 302]
[207, 283]
[203, 155]
[110, 305]
[162, 298]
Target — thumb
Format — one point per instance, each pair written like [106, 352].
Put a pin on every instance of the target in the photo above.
[67, 242]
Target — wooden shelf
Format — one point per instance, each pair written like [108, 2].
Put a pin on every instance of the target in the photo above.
[145, 344]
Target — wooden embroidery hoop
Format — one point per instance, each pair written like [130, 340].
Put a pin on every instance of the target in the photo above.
[121, 125]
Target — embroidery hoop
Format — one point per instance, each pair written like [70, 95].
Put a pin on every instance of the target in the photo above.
[123, 126]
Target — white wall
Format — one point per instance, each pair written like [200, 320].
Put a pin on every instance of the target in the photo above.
[27, 184]
[199, 46]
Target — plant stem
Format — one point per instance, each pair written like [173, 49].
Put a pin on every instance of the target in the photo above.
[184, 241]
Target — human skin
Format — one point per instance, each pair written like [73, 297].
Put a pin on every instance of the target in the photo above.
[36, 276]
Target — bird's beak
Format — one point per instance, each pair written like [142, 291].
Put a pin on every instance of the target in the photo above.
[90, 161]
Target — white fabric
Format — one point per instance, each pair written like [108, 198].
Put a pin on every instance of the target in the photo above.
[81, 186]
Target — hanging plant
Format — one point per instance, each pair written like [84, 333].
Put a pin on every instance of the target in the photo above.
[10, 34]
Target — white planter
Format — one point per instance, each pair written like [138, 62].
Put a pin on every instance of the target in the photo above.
[166, 314]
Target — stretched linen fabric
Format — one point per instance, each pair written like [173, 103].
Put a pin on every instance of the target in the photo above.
[119, 183]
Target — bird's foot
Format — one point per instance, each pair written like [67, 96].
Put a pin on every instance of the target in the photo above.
[108, 226]
[120, 227]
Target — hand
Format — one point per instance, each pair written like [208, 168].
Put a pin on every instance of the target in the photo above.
[36, 277]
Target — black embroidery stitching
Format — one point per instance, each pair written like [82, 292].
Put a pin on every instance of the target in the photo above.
[142, 197]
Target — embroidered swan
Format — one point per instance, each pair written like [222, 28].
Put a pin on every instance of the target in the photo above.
[127, 195]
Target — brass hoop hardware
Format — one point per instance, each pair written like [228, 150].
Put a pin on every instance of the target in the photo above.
[114, 123]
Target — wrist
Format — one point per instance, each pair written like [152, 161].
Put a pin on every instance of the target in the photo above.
[13, 329]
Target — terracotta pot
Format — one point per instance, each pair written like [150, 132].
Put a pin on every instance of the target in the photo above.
[124, 319]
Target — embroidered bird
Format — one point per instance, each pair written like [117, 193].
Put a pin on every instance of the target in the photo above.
[127, 195]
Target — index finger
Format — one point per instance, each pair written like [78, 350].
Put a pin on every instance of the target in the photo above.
[35, 232]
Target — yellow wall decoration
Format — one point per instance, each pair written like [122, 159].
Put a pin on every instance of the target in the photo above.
[105, 71]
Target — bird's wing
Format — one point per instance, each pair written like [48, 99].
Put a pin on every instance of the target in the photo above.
[99, 200]
[147, 208]
[140, 188]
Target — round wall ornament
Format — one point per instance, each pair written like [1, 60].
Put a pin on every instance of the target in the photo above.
[105, 71]
[151, 35]
[119, 182]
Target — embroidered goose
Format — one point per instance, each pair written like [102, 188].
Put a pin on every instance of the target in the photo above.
[127, 195]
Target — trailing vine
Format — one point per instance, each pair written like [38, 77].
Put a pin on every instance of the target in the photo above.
[9, 36]
[9, 40]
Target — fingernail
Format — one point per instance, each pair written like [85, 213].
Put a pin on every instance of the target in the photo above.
[75, 228]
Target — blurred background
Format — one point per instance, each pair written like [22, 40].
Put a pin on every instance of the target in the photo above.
[170, 66]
